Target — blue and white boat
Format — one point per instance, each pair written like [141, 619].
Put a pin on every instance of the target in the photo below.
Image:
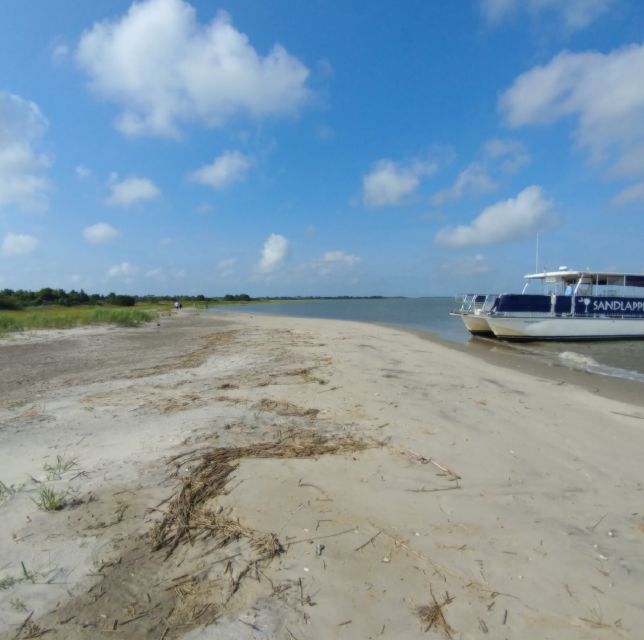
[474, 309]
[573, 305]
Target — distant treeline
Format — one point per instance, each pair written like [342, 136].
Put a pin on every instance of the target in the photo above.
[20, 299]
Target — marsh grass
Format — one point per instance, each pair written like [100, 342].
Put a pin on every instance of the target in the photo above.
[57, 317]
[7, 491]
[62, 465]
[18, 605]
[51, 500]
[7, 582]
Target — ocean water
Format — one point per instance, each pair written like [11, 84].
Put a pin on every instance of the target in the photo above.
[622, 359]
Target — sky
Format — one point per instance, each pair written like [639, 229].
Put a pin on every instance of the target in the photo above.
[319, 147]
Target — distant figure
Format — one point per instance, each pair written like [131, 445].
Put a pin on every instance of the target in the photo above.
[177, 305]
[569, 289]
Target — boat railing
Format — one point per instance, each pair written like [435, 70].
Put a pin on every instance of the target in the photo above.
[475, 303]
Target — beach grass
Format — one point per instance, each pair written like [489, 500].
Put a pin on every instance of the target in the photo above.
[51, 500]
[57, 317]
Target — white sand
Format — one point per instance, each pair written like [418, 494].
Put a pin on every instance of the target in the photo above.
[542, 535]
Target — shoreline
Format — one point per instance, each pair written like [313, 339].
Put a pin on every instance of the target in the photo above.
[498, 354]
[370, 469]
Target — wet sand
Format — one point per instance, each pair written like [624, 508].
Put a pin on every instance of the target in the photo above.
[379, 485]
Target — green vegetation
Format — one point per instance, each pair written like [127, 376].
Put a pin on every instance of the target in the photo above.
[51, 500]
[63, 464]
[6, 491]
[18, 604]
[66, 317]
[7, 582]
[59, 309]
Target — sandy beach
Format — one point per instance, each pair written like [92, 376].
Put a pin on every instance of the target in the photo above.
[234, 476]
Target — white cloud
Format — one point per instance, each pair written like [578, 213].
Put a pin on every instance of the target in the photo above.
[59, 53]
[132, 190]
[157, 272]
[229, 167]
[273, 253]
[511, 154]
[16, 244]
[575, 14]
[100, 233]
[122, 270]
[22, 179]
[224, 265]
[601, 91]
[634, 193]
[163, 68]
[82, 171]
[389, 183]
[339, 257]
[511, 219]
[473, 180]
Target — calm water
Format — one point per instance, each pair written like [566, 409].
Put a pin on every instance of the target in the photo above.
[624, 359]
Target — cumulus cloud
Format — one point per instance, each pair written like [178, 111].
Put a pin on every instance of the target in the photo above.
[634, 193]
[229, 167]
[16, 244]
[389, 183]
[575, 14]
[99, 233]
[274, 253]
[122, 270]
[132, 190]
[164, 68]
[600, 91]
[511, 219]
[339, 257]
[22, 179]
[473, 180]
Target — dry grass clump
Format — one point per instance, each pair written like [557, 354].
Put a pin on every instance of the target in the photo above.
[283, 408]
[431, 615]
[187, 518]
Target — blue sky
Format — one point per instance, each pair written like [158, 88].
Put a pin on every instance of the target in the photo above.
[318, 147]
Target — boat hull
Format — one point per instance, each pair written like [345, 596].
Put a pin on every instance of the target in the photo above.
[477, 325]
[569, 329]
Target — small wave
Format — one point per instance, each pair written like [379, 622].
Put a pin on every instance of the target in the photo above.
[586, 363]
[578, 359]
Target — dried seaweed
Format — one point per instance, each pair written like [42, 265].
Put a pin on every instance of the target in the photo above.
[187, 517]
[431, 615]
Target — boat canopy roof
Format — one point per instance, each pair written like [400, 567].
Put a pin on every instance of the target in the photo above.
[596, 277]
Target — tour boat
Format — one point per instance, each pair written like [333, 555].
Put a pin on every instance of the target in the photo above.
[474, 310]
[573, 305]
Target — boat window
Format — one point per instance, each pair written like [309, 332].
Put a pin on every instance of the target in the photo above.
[634, 281]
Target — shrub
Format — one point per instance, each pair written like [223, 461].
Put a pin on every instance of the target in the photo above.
[122, 301]
[8, 304]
